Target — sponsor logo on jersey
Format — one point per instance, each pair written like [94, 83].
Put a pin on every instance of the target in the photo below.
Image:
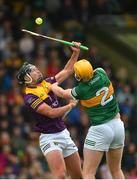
[94, 80]
[42, 94]
[55, 103]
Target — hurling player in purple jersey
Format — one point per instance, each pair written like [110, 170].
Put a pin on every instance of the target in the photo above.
[55, 142]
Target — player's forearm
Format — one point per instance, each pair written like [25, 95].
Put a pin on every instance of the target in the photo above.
[68, 69]
[59, 112]
[50, 112]
[69, 66]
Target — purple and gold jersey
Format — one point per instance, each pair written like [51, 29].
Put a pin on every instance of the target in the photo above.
[34, 97]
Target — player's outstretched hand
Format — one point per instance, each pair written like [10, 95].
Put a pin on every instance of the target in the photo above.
[76, 48]
[73, 103]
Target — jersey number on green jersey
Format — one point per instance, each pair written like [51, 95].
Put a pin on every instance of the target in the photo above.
[104, 99]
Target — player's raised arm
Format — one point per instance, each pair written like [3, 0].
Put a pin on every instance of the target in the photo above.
[68, 69]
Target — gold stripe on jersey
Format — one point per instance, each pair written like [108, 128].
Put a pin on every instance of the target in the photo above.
[40, 91]
[94, 101]
[35, 103]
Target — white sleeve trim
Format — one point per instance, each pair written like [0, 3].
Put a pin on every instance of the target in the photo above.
[73, 93]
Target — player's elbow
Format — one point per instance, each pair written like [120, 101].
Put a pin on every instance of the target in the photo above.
[62, 93]
[51, 114]
[48, 112]
[67, 94]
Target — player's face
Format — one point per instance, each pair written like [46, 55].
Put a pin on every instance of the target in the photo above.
[36, 75]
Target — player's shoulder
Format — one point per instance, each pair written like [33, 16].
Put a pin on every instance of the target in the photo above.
[50, 80]
[100, 70]
[30, 97]
[98, 77]
[81, 86]
[32, 91]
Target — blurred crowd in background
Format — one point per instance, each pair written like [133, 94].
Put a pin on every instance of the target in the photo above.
[20, 156]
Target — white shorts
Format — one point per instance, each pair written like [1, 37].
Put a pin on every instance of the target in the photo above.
[110, 135]
[57, 141]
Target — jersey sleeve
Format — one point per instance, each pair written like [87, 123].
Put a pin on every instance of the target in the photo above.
[32, 101]
[51, 80]
[76, 92]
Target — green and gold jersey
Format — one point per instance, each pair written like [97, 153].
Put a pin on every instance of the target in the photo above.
[97, 97]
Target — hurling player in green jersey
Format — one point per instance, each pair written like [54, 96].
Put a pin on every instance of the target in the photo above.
[106, 133]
